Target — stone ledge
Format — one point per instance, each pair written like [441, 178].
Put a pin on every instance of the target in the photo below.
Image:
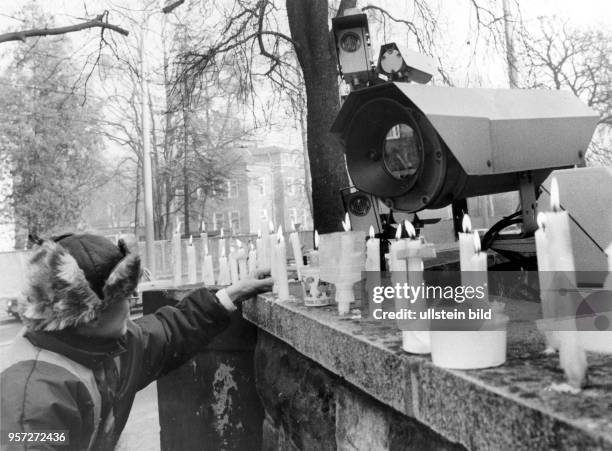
[509, 407]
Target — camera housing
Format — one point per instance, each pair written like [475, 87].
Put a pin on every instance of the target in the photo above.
[419, 147]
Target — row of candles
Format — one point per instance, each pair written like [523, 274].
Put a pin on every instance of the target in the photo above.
[269, 252]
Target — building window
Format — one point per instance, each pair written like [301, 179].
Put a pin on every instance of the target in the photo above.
[218, 220]
[291, 186]
[305, 217]
[260, 183]
[293, 216]
[235, 221]
[232, 189]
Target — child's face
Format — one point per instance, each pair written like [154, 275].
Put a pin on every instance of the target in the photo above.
[111, 322]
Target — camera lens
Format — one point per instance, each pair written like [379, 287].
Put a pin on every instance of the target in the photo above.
[401, 153]
[350, 42]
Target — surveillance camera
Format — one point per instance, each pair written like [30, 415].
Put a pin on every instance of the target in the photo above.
[418, 147]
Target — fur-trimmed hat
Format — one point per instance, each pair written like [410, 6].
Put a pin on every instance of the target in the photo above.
[70, 280]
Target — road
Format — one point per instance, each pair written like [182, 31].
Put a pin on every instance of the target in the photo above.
[8, 329]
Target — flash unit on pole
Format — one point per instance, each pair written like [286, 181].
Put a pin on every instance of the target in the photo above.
[353, 47]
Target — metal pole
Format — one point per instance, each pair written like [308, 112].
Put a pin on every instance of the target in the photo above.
[146, 161]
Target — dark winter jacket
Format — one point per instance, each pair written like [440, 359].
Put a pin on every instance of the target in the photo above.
[58, 381]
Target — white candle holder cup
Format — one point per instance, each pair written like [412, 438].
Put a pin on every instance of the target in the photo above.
[342, 260]
[470, 350]
[316, 292]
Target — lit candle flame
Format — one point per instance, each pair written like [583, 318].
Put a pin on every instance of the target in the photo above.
[346, 223]
[190, 240]
[221, 235]
[279, 234]
[410, 229]
[466, 224]
[178, 225]
[541, 220]
[477, 246]
[372, 232]
[316, 240]
[271, 226]
[555, 203]
[398, 232]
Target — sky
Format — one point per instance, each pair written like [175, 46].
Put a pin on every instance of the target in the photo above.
[455, 40]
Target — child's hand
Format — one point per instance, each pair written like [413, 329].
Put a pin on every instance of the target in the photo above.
[260, 282]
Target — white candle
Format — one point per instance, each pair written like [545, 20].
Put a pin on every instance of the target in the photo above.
[241, 256]
[415, 341]
[209, 275]
[396, 263]
[314, 254]
[544, 278]
[253, 259]
[233, 264]
[271, 245]
[204, 241]
[466, 244]
[203, 253]
[296, 245]
[478, 268]
[561, 256]
[191, 262]
[372, 252]
[346, 244]
[224, 277]
[281, 278]
[177, 274]
[262, 251]
[560, 261]
[221, 244]
[272, 258]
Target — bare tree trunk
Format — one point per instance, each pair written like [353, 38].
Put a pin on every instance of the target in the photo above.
[308, 22]
[510, 54]
[307, 179]
[185, 162]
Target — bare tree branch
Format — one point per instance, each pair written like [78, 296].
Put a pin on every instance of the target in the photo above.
[172, 6]
[100, 21]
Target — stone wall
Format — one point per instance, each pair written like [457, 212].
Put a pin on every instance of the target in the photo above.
[310, 408]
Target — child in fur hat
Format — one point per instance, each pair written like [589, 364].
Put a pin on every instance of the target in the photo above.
[80, 360]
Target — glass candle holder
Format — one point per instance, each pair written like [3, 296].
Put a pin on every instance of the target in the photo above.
[317, 293]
